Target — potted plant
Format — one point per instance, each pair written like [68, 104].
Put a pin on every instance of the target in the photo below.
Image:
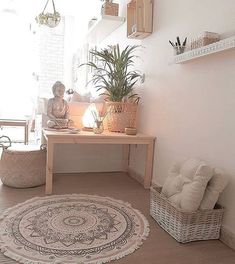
[109, 8]
[49, 19]
[115, 80]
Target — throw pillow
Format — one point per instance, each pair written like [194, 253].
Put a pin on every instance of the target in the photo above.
[185, 186]
[76, 97]
[214, 188]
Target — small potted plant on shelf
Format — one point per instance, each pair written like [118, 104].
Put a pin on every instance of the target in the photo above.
[114, 79]
[109, 8]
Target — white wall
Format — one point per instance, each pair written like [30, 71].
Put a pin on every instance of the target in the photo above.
[51, 57]
[189, 108]
[87, 158]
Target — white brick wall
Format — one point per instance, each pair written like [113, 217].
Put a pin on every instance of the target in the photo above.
[51, 54]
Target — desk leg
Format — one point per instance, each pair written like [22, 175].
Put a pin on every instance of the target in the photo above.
[149, 165]
[125, 157]
[26, 134]
[49, 167]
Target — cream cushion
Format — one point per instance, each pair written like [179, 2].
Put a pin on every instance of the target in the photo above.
[215, 186]
[186, 184]
[76, 97]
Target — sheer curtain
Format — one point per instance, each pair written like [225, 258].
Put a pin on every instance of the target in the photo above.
[18, 88]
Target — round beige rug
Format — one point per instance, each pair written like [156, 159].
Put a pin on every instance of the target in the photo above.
[71, 229]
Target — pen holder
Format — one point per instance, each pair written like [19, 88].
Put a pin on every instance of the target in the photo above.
[179, 50]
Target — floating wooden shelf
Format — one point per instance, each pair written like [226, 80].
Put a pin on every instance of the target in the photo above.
[219, 46]
[139, 19]
[103, 27]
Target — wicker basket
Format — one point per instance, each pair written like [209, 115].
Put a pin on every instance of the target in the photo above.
[185, 226]
[23, 167]
[121, 115]
[204, 39]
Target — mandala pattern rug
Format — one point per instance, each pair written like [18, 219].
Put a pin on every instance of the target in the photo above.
[71, 229]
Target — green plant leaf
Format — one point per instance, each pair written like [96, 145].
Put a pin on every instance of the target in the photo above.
[111, 75]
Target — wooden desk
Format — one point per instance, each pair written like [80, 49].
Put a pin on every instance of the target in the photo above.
[54, 137]
[17, 122]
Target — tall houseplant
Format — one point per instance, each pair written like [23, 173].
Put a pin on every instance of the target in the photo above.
[114, 78]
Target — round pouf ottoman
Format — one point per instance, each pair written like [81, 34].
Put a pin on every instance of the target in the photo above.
[23, 166]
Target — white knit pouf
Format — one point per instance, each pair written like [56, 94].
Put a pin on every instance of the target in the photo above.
[23, 166]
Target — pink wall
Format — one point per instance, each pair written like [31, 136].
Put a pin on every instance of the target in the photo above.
[189, 108]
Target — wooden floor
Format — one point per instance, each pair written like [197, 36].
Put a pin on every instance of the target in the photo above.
[159, 248]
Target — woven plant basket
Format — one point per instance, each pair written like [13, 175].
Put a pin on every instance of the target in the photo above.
[121, 115]
[182, 225]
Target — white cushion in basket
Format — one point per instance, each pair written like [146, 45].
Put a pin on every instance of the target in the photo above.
[215, 186]
[186, 185]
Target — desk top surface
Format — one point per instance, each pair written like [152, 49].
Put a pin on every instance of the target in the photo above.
[85, 134]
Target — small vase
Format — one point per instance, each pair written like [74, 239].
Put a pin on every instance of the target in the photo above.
[98, 127]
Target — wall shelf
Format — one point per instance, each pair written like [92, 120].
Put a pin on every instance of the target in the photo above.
[104, 26]
[216, 47]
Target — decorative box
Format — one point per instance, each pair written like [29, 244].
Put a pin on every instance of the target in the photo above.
[204, 39]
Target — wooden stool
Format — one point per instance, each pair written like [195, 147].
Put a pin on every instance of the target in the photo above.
[23, 166]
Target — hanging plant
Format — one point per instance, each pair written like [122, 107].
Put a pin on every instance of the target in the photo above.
[49, 19]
